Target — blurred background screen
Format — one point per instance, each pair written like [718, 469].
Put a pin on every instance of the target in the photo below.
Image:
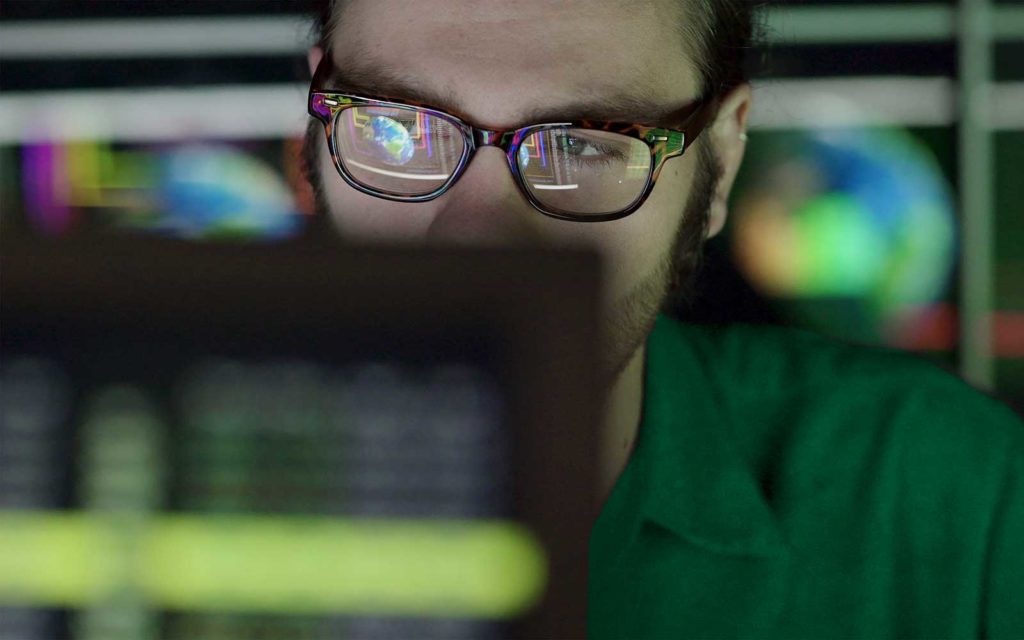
[232, 442]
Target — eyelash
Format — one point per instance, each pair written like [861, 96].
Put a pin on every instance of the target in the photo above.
[603, 155]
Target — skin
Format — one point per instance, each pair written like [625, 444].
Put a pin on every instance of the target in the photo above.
[563, 58]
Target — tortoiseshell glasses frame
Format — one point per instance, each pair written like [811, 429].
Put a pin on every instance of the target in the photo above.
[325, 105]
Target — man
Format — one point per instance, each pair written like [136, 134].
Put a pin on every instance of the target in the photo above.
[778, 485]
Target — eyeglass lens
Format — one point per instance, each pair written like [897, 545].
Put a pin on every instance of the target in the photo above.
[402, 152]
[584, 171]
[408, 152]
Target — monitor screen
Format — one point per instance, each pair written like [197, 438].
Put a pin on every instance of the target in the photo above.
[230, 442]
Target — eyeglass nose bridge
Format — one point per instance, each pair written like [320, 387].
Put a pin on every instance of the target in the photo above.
[508, 141]
[492, 138]
[485, 137]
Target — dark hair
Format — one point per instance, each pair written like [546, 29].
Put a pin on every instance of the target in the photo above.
[728, 33]
[725, 31]
[323, 19]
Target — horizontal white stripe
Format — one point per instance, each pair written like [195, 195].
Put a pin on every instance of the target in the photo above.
[825, 102]
[897, 101]
[851, 24]
[225, 112]
[1008, 106]
[279, 110]
[884, 23]
[155, 37]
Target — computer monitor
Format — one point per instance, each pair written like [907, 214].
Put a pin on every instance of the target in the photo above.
[300, 441]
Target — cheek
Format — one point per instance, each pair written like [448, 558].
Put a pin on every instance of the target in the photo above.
[362, 217]
[638, 245]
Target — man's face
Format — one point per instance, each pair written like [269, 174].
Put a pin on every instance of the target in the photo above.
[497, 64]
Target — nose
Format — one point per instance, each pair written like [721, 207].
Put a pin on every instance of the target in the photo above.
[485, 207]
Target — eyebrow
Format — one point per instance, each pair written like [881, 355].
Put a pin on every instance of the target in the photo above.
[386, 83]
[639, 106]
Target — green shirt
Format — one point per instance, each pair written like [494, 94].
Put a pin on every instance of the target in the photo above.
[784, 485]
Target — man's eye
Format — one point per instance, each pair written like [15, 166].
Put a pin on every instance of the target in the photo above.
[582, 148]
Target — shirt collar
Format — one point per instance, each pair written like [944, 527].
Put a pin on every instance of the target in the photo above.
[700, 486]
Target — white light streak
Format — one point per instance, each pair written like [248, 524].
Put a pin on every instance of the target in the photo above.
[554, 187]
[237, 112]
[397, 174]
[838, 102]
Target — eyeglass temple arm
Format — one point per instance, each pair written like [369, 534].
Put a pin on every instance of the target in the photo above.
[698, 121]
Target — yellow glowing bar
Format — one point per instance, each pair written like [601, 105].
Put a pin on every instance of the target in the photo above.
[53, 559]
[490, 569]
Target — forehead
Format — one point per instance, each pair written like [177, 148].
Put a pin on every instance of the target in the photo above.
[499, 60]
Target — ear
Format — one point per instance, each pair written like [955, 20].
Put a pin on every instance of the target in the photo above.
[313, 57]
[729, 141]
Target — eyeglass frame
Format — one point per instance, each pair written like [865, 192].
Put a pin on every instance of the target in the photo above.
[663, 143]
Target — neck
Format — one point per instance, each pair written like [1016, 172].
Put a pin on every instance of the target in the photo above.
[622, 414]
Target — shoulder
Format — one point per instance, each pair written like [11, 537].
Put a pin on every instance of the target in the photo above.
[796, 390]
[877, 465]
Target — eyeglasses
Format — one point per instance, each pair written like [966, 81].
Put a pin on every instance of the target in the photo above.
[582, 170]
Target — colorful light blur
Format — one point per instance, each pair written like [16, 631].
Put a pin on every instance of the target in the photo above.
[851, 231]
[189, 190]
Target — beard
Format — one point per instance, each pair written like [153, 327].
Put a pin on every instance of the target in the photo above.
[628, 322]
[632, 318]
